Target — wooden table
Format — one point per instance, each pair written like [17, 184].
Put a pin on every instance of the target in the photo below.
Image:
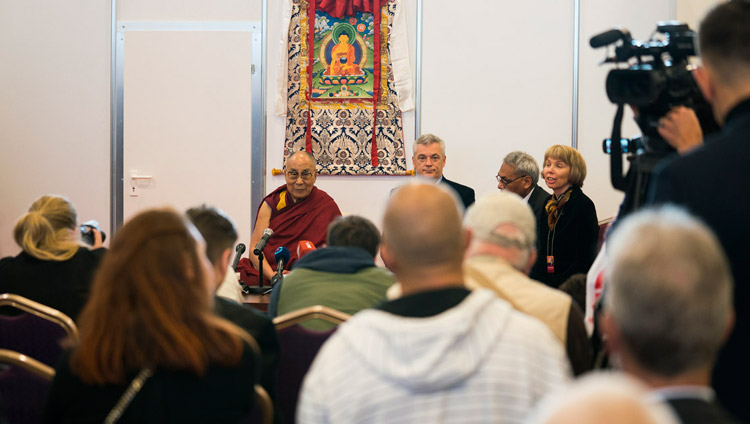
[257, 301]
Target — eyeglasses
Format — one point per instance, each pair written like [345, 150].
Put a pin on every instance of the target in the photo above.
[506, 181]
[293, 175]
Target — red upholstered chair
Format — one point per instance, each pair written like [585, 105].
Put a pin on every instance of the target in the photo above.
[37, 332]
[24, 383]
[298, 349]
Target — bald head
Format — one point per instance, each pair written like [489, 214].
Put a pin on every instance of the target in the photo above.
[422, 230]
[300, 175]
[601, 398]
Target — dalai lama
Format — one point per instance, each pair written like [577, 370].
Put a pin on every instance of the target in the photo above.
[295, 211]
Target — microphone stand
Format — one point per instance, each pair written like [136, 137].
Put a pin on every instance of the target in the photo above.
[259, 289]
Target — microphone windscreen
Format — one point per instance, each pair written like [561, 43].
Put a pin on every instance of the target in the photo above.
[304, 247]
[281, 253]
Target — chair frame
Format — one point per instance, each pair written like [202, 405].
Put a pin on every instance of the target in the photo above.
[263, 400]
[27, 363]
[42, 311]
[311, 312]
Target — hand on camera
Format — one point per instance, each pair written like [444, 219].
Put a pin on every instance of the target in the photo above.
[681, 129]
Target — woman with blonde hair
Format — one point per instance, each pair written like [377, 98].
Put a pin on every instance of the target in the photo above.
[150, 349]
[54, 268]
[567, 228]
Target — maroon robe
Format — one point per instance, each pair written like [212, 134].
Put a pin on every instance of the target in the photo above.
[291, 222]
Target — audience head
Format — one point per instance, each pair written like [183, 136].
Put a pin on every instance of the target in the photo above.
[219, 233]
[669, 294]
[300, 175]
[48, 230]
[724, 38]
[601, 398]
[151, 305]
[429, 156]
[503, 225]
[518, 174]
[354, 231]
[423, 241]
[563, 166]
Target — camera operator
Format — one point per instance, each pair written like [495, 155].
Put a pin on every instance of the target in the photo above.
[54, 268]
[711, 180]
[681, 129]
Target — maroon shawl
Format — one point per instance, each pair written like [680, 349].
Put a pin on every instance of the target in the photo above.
[307, 219]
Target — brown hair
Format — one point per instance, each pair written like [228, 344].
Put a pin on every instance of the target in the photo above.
[150, 305]
[47, 231]
[572, 158]
[725, 40]
[217, 230]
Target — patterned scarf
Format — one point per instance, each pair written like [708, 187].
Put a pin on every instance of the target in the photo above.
[554, 206]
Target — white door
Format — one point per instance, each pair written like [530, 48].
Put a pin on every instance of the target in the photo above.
[187, 121]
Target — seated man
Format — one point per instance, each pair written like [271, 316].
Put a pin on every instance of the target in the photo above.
[501, 254]
[220, 234]
[429, 160]
[295, 211]
[519, 174]
[440, 353]
[668, 308]
[342, 276]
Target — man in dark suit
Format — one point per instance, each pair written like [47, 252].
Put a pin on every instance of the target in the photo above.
[429, 160]
[710, 180]
[220, 234]
[519, 174]
[668, 308]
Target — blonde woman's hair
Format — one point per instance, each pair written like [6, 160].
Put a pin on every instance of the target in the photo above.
[46, 231]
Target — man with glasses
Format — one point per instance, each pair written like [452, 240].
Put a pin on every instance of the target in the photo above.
[429, 160]
[519, 174]
[295, 211]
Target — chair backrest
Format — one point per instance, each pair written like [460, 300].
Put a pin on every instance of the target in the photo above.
[24, 384]
[299, 346]
[311, 312]
[37, 332]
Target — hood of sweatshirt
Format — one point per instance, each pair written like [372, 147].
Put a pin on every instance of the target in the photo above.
[434, 353]
[337, 259]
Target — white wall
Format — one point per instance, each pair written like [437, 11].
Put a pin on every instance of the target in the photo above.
[54, 92]
[54, 108]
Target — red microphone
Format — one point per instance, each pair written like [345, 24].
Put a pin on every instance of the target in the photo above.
[304, 247]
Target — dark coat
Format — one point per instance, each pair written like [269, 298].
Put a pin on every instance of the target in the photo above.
[711, 183]
[572, 243]
[465, 193]
[263, 331]
[538, 199]
[698, 411]
[62, 285]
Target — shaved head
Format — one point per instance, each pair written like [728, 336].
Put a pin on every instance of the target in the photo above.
[302, 158]
[422, 228]
[300, 175]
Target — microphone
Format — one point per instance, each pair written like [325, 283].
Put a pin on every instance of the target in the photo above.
[304, 247]
[608, 37]
[267, 233]
[240, 249]
[281, 255]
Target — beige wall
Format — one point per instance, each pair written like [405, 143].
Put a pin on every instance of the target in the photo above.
[55, 93]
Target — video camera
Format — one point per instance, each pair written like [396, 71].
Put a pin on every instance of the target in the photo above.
[656, 79]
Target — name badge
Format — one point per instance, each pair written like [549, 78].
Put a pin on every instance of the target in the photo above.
[550, 264]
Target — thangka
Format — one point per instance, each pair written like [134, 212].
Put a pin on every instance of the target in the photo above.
[340, 90]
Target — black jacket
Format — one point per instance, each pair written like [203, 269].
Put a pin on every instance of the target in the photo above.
[711, 183]
[465, 193]
[572, 243]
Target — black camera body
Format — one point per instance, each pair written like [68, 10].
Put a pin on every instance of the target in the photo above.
[87, 235]
[657, 78]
